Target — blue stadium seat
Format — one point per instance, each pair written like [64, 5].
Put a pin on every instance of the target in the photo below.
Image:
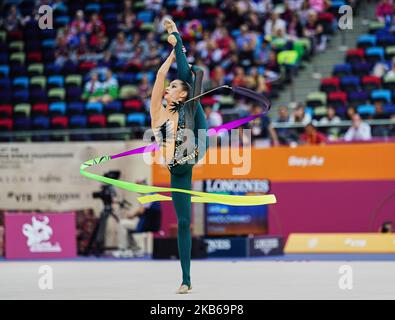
[389, 108]
[374, 54]
[55, 81]
[366, 109]
[4, 71]
[342, 69]
[21, 82]
[113, 107]
[94, 107]
[21, 95]
[76, 108]
[78, 121]
[381, 94]
[145, 16]
[137, 118]
[57, 108]
[366, 40]
[41, 122]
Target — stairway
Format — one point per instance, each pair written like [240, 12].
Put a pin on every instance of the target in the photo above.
[320, 66]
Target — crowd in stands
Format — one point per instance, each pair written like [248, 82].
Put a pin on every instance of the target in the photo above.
[117, 47]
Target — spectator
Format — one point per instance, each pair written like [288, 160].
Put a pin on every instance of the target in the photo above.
[262, 54]
[272, 64]
[295, 28]
[214, 118]
[144, 87]
[246, 43]
[350, 112]
[359, 130]
[239, 77]
[391, 73]
[274, 24]
[261, 6]
[331, 119]
[128, 21]
[318, 5]
[312, 136]
[295, 5]
[380, 130]
[314, 30]
[285, 135]
[78, 26]
[120, 48]
[300, 115]
[110, 87]
[383, 9]
[263, 133]
[256, 81]
[93, 90]
[13, 19]
[95, 24]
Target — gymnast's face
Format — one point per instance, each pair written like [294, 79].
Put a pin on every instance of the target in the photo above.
[175, 92]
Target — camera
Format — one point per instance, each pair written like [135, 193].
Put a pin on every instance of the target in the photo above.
[107, 192]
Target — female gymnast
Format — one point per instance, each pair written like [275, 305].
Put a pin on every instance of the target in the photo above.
[181, 131]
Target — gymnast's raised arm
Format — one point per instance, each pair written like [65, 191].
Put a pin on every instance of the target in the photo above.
[159, 85]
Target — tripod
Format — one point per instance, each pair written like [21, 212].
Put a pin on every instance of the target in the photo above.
[98, 236]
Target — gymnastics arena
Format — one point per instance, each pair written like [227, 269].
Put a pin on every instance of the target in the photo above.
[292, 198]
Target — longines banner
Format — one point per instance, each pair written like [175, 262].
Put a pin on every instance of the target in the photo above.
[45, 176]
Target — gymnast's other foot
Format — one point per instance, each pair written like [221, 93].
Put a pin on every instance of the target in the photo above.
[170, 26]
[184, 289]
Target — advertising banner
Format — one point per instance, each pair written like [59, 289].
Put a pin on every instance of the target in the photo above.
[226, 247]
[39, 235]
[341, 243]
[225, 220]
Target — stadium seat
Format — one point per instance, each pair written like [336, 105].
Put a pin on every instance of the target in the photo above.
[374, 54]
[40, 109]
[136, 119]
[55, 82]
[4, 71]
[35, 69]
[370, 83]
[6, 124]
[315, 99]
[116, 120]
[57, 94]
[21, 83]
[354, 55]
[343, 69]
[94, 108]
[132, 105]
[73, 80]
[366, 109]
[113, 107]
[330, 84]
[389, 52]
[366, 40]
[357, 98]
[5, 111]
[57, 108]
[40, 123]
[75, 108]
[38, 81]
[389, 82]
[349, 83]
[337, 99]
[381, 95]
